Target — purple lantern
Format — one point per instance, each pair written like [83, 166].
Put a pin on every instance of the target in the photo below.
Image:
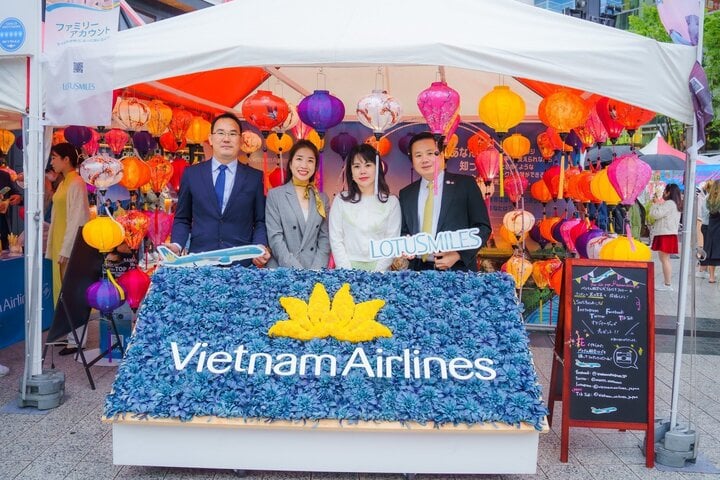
[556, 232]
[19, 141]
[582, 241]
[574, 141]
[537, 236]
[143, 142]
[321, 111]
[404, 143]
[104, 296]
[343, 143]
[78, 135]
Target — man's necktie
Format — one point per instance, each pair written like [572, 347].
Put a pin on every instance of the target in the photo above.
[428, 214]
[220, 186]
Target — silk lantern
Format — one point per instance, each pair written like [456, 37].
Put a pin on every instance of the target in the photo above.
[264, 111]
[301, 130]
[438, 104]
[404, 143]
[116, 140]
[570, 173]
[143, 142]
[321, 111]
[130, 113]
[629, 116]
[452, 128]
[101, 171]
[77, 135]
[501, 109]
[612, 127]
[518, 221]
[278, 144]
[135, 226]
[179, 123]
[135, 284]
[479, 142]
[516, 146]
[515, 186]
[250, 142]
[160, 172]
[342, 144]
[551, 177]
[555, 232]
[625, 249]
[565, 110]
[585, 136]
[104, 296]
[504, 239]
[565, 232]
[603, 189]
[545, 146]
[595, 127]
[519, 269]
[595, 245]
[629, 176]
[556, 280]
[584, 184]
[198, 131]
[136, 173]
[379, 112]
[537, 236]
[451, 146]
[178, 166]
[92, 146]
[170, 144]
[538, 273]
[159, 118]
[159, 226]
[556, 141]
[58, 136]
[315, 138]
[540, 192]
[103, 233]
[383, 146]
[276, 177]
[487, 163]
[546, 225]
[291, 120]
[572, 186]
[7, 138]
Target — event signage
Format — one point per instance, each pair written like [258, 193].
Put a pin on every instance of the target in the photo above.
[78, 77]
[18, 30]
[423, 243]
[408, 365]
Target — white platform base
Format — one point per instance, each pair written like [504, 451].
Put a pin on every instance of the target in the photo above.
[325, 446]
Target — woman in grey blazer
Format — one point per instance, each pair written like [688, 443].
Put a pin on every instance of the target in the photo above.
[296, 214]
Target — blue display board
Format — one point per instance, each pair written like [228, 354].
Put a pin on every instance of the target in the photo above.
[12, 300]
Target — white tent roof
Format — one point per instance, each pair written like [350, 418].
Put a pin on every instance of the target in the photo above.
[351, 39]
[12, 91]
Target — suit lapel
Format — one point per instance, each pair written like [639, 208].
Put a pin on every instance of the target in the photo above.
[448, 197]
[240, 175]
[294, 205]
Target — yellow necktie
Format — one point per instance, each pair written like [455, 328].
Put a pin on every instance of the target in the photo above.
[427, 224]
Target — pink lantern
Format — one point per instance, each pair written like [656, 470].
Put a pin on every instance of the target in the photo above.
[439, 105]
[596, 128]
[566, 233]
[515, 186]
[116, 140]
[135, 283]
[629, 176]
[159, 226]
[578, 230]
[487, 163]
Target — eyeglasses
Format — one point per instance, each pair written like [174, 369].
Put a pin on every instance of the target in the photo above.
[232, 135]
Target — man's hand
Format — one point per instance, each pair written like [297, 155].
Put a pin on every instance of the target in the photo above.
[15, 199]
[262, 260]
[4, 205]
[173, 247]
[445, 260]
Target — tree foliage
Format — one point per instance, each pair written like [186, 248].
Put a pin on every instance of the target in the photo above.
[648, 24]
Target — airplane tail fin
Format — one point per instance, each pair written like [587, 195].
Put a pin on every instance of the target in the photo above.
[167, 255]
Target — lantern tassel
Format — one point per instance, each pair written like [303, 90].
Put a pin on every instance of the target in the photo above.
[628, 232]
[562, 176]
[121, 292]
[266, 177]
[320, 176]
[282, 170]
[502, 175]
[377, 171]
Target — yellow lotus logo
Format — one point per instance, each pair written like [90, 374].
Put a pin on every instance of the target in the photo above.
[344, 320]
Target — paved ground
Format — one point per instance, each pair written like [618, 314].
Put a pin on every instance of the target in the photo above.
[70, 442]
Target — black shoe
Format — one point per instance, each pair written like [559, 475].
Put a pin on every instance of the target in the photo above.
[68, 351]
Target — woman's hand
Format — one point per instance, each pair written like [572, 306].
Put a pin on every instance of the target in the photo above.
[62, 260]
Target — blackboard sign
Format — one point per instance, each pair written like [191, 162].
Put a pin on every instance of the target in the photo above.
[605, 347]
[608, 343]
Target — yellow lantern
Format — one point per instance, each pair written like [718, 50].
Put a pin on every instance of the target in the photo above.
[316, 140]
[501, 109]
[159, 119]
[601, 187]
[7, 138]
[132, 114]
[136, 173]
[279, 144]
[198, 131]
[564, 110]
[519, 269]
[625, 249]
[516, 146]
[103, 233]
[451, 146]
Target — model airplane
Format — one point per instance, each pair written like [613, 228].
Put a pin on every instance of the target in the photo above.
[224, 256]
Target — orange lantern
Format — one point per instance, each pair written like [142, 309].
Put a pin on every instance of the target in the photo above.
[539, 275]
[279, 144]
[135, 224]
[161, 171]
[584, 135]
[276, 177]
[198, 131]
[179, 123]
[265, 111]
[7, 138]
[103, 233]
[540, 192]
[516, 146]
[546, 226]
[383, 146]
[501, 109]
[570, 173]
[583, 182]
[479, 142]
[58, 136]
[556, 280]
[170, 144]
[131, 114]
[315, 139]
[547, 150]
[557, 142]
[564, 110]
[136, 173]
[629, 116]
[519, 269]
[116, 140]
[451, 146]
[159, 119]
[601, 188]
[572, 186]
[504, 238]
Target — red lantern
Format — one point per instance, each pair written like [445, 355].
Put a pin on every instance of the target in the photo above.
[595, 127]
[479, 142]
[612, 127]
[487, 163]
[515, 186]
[135, 283]
[136, 173]
[547, 150]
[179, 123]
[178, 167]
[170, 144]
[160, 172]
[551, 177]
[629, 116]
[276, 177]
[135, 224]
[265, 111]
[116, 140]
[556, 279]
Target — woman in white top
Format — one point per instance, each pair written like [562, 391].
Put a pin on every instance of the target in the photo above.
[295, 214]
[666, 213]
[360, 214]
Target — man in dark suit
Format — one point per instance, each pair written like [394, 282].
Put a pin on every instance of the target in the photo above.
[457, 205]
[13, 196]
[221, 202]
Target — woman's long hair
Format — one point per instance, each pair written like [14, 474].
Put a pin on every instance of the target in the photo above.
[673, 193]
[367, 153]
[298, 145]
[713, 198]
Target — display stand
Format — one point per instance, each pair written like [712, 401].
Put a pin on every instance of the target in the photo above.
[604, 359]
[326, 445]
